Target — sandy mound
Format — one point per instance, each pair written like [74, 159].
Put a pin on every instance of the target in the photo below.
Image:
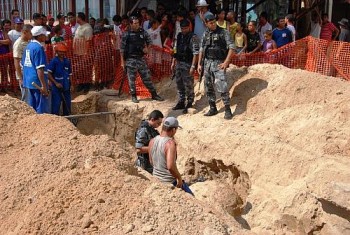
[280, 166]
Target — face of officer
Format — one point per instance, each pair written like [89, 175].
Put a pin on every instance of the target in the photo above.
[211, 25]
[135, 24]
[185, 30]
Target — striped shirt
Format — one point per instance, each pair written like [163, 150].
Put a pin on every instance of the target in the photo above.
[327, 30]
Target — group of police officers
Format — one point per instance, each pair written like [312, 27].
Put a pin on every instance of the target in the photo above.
[215, 50]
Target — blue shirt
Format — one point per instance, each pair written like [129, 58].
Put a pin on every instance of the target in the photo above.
[33, 58]
[281, 36]
[199, 25]
[60, 70]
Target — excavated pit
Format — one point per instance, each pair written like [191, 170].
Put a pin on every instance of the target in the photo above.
[223, 187]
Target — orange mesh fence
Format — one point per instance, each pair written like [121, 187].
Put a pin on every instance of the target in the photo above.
[97, 61]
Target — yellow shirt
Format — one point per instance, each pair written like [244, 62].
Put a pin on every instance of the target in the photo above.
[233, 29]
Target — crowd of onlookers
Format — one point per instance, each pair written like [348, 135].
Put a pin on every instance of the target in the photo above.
[163, 25]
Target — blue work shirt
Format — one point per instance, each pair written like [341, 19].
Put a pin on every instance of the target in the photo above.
[33, 58]
[61, 70]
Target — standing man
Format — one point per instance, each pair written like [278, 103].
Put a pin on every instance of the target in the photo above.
[134, 46]
[14, 15]
[34, 69]
[38, 19]
[344, 35]
[163, 155]
[281, 35]
[199, 21]
[82, 45]
[216, 49]
[263, 26]
[328, 29]
[18, 49]
[185, 59]
[290, 25]
[73, 25]
[144, 133]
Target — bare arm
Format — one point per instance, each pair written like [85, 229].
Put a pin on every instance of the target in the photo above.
[149, 151]
[18, 69]
[41, 77]
[170, 154]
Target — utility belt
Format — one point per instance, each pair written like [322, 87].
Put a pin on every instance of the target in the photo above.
[183, 58]
[134, 56]
[216, 54]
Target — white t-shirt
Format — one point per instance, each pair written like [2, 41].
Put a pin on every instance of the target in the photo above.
[145, 25]
[14, 35]
[155, 36]
[82, 35]
[315, 30]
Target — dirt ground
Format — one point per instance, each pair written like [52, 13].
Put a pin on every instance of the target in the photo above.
[280, 166]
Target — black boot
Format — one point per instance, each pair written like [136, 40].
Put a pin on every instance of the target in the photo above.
[213, 110]
[134, 99]
[228, 113]
[155, 96]
[179, 105]
[189, 105]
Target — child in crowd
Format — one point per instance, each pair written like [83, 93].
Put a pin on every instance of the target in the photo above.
[240, 40]
[154, 33]
[57, 35]
[269, 44]
[221, 22]
[59, 72]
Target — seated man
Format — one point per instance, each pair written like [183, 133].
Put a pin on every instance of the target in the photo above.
[143, 135]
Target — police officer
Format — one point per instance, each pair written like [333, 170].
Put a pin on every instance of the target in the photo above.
[145, 132]
[216, 50]
[186, 57]
[134, 46]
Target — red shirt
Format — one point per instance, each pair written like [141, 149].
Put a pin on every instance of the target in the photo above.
[327, 30]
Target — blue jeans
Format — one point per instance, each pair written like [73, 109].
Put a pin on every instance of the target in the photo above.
[184, 187]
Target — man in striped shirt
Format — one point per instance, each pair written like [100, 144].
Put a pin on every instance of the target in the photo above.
[328, 29]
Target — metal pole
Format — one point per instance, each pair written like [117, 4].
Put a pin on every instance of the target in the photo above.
[88, 115]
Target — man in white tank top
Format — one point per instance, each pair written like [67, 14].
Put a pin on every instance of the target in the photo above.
[163, 154]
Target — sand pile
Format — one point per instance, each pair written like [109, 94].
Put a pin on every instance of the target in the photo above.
[281, 165]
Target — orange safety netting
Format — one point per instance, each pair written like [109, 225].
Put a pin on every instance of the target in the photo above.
[97, 61]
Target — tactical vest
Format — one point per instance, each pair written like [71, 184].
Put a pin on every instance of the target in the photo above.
[183, 49]
[135, 43]
[215, 44]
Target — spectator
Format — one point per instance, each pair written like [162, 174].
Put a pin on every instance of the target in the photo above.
[18, 49]
[253, 38]
[231, 18]
[5, 43]
[72, 22]
[344, 35]
[154, 33]
[92, 22]
[143, 13]
[263, 26]
[34, 69]
[66, 31]
[160, 11]
[14, 15]
[221, 22]
[240, 40]
[99, 26]
[328, 29]
[143, 135]
[269, 44]
[82, 45]
[38, 19]
[15, 33]
[117, 32]
[181, 15]
[166, 28]
[202, 7]
[124, 26]
[57, 30]
[281, 35]
[192, 16]
[50, 24]
[163, 155]
[150, 15]
[290, 25]
[315, 25]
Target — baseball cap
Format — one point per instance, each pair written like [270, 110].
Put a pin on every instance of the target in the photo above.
[39, 30]
[209, 17]
[171, 122]
[184, 23]
[37, 16]
[18, 20]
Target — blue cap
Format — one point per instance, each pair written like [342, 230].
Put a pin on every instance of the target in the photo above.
[209, 17]
[18, 21]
